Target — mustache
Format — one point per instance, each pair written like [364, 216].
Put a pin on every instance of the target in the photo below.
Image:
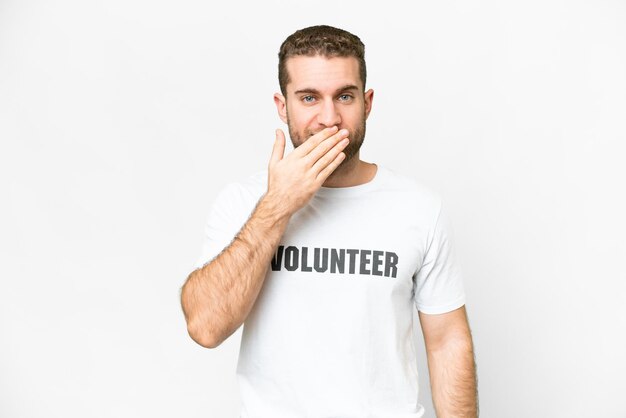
[310, 133]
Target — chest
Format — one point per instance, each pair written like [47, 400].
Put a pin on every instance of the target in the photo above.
[357, 238]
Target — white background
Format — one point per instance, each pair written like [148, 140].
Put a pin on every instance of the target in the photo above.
[120, 120]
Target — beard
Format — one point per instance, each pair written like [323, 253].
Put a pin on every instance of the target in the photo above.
[356, 136]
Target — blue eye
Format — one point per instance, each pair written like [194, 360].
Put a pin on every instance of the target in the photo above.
[305, 99]
[345, 97]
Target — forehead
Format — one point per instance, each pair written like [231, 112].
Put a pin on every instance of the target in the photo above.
[321, 73]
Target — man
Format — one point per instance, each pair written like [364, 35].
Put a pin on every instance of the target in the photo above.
[323, 256]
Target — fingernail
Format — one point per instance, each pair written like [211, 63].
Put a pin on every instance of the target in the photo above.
[343, 131]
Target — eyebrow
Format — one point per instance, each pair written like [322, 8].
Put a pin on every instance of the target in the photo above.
[315, 91]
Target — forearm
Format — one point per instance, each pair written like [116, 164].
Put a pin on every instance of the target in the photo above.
[217, 298]
[453, 378]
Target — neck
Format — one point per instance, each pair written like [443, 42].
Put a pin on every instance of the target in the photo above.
[351, 173]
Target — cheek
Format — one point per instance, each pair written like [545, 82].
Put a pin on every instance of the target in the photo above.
[304, 119]
[353, 117]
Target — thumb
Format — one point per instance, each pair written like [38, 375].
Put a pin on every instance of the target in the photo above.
[279, 147]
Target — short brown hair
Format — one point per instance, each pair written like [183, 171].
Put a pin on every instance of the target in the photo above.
[320, 40]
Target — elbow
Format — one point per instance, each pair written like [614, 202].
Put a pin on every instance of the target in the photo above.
[197, 330]
[202, 337]
[461, 343]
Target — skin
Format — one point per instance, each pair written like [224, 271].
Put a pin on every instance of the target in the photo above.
[325, 105]
[218, 297]
[451, 365]
[325, 92]
[317, 99]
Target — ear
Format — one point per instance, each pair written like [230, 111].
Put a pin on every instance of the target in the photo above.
[369, 98]
[281, 106]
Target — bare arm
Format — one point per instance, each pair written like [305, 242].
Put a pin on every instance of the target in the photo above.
[451, 364]
[217, 298]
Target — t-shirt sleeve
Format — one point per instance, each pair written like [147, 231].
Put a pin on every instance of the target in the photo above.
[228, 214]
[438, 284]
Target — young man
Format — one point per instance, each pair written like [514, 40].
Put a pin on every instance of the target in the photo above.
[323, 256]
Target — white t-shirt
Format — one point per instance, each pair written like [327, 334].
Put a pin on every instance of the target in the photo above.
[330, 335]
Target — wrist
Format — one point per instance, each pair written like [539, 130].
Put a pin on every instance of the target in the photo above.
[273, 209]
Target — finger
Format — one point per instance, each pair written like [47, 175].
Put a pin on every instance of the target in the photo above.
[279, 148]
[327, 171]
[325, 146]
[329, 157]
[313, 141]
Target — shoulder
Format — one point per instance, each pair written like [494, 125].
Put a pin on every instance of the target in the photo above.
[414, 191]
[244, 190]
[255, 182]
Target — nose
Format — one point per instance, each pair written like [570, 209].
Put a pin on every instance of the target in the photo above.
[328, 115]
